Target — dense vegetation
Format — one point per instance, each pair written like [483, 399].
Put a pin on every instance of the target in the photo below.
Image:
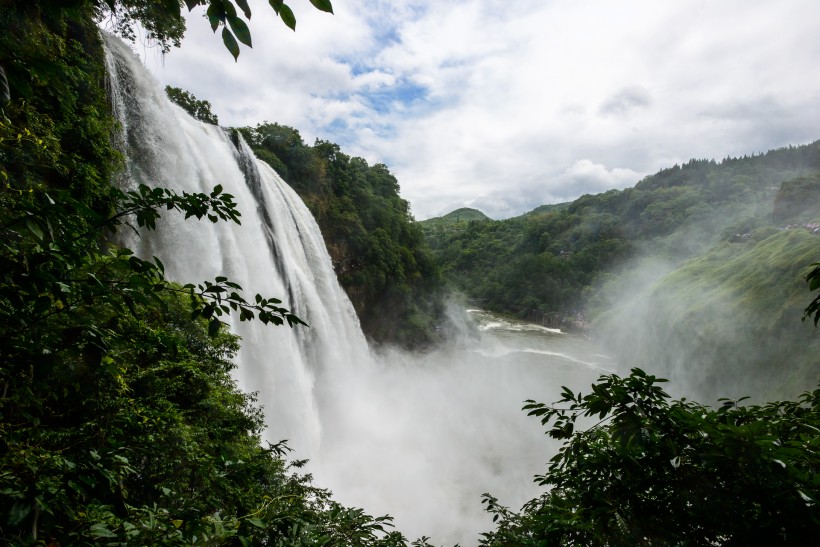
[657, 472]
[377, 248]
[119, 421]
[201, 110]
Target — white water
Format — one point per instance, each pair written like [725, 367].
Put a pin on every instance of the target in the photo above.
[418, 436]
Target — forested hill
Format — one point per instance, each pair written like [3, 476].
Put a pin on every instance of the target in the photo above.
[465, 214]
[548, 260]
[744, 224]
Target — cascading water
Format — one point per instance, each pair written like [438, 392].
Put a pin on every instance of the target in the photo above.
[419, 437]
[277, 251]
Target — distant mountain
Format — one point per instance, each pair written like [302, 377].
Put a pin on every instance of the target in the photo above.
[465, 214]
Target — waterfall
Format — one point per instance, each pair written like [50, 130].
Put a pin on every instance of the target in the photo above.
[277, 251]
[418, 436]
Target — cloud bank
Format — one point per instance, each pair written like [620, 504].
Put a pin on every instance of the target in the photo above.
[507, 105]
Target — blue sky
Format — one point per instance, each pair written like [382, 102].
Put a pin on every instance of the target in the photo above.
[507, 105]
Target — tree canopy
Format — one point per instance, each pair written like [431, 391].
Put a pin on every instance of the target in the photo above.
[164, 23]
[201, 110]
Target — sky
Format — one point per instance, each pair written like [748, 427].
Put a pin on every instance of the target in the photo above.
[505, 105]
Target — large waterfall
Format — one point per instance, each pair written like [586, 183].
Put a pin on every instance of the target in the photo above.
[419, 437]
[277, 250]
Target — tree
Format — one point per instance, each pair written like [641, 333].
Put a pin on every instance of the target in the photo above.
[201, 110]
[656, 472]
[163, 21]
[813, 279]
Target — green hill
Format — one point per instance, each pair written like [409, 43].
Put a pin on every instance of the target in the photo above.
[465, 214]
[704, 221]
[726, 323]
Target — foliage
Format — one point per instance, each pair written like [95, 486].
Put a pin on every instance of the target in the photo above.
[149, 442]
[535, 267]
[201, 110]
[164, 24]
[655, 471]
[798, 199]
[378, 250]
[813, 279]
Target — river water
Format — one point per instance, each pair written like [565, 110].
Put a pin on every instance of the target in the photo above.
[423, 436]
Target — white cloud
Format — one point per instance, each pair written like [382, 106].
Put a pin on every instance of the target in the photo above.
[509, 104]
[588, 177]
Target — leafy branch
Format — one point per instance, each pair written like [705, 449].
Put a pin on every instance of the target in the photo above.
[813, 279]
[65, 265]
[660, 471]
[145, 204]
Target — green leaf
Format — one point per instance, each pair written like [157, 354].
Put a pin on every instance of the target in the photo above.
[243, 4]
[19, 511]
[242, 32]
[230, 11]
[322, 5]
[216, 14]
[100, 530]
[35, 229]
[213, 327]
[230, 43]
[283, 11]
[173, 8]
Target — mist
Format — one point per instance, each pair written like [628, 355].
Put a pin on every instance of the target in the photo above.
[423, 435]
[724, 323]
